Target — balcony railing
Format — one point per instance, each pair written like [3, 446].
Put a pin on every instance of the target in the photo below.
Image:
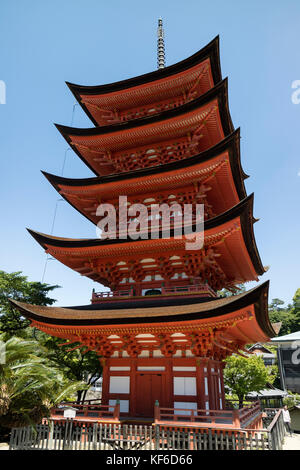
[188, 289]
[165, 291]
[110, 294]
[88, 412]
[235, 418]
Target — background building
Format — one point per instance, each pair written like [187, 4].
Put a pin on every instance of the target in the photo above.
[288, 353]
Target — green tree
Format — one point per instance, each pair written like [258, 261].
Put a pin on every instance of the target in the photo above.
[244, 375]
[295, 312]
[30, 385]
[285, 318]
[77, 365]
[275, 304]
[281, 314]
[74, 365]
[239, 289]
[292, 399]
[16, 286]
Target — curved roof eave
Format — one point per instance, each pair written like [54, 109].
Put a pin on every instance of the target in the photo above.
[211, 51]
[220, 92]
[244, 210]
[231, 142]
[151, 314]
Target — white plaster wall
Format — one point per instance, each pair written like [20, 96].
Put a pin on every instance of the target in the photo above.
[185, 386]
[119, 384]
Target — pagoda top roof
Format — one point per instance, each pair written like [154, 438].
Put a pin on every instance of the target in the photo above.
[220, 90]
[153, 92]
[94, 144]
[151, 312]
[211, 51]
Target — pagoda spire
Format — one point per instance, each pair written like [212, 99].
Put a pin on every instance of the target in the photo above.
[160, 45]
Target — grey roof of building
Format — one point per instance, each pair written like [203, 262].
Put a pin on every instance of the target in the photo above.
[291, 337]
[268, 393]
[268, 356]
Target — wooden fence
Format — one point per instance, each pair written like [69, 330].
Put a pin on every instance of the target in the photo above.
[70, 435]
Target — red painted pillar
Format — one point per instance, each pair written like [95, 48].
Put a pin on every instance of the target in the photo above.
[200, 384]
[132, 390]
[222, 365]
[236, 419]
[168, 392]
[105, 383]
[212, 405]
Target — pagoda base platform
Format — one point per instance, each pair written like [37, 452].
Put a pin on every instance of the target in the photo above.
[249, 417]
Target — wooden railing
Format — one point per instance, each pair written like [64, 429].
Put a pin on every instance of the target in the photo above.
[109, 294]
[249, 413]
[234, 418]
[190, 289]
[276, 431]
[94, 401]
[89, 412]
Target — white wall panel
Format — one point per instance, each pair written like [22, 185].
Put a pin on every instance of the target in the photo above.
[119, 384]
[185, 386]
[205, 386]
[144, 353]
[157, 353]
[151, 368]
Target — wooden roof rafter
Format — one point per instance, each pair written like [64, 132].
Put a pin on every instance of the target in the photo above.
[229, 234]
[239, 317]
[90, 192]
[203, 122]
[114, 94]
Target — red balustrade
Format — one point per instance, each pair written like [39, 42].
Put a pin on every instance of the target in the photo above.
[235, 418]
[190, 289]
[89, 412]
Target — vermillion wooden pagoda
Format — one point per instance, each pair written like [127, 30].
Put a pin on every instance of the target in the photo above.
[163, 137]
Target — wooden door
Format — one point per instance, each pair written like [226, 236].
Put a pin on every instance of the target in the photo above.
[148, 390]
[215, 402]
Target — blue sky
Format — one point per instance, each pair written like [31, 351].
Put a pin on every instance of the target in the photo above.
[44, 44]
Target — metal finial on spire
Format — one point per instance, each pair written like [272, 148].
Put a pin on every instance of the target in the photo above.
[160, 45]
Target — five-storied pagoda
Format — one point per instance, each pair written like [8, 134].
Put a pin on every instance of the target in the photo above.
[162, 331]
